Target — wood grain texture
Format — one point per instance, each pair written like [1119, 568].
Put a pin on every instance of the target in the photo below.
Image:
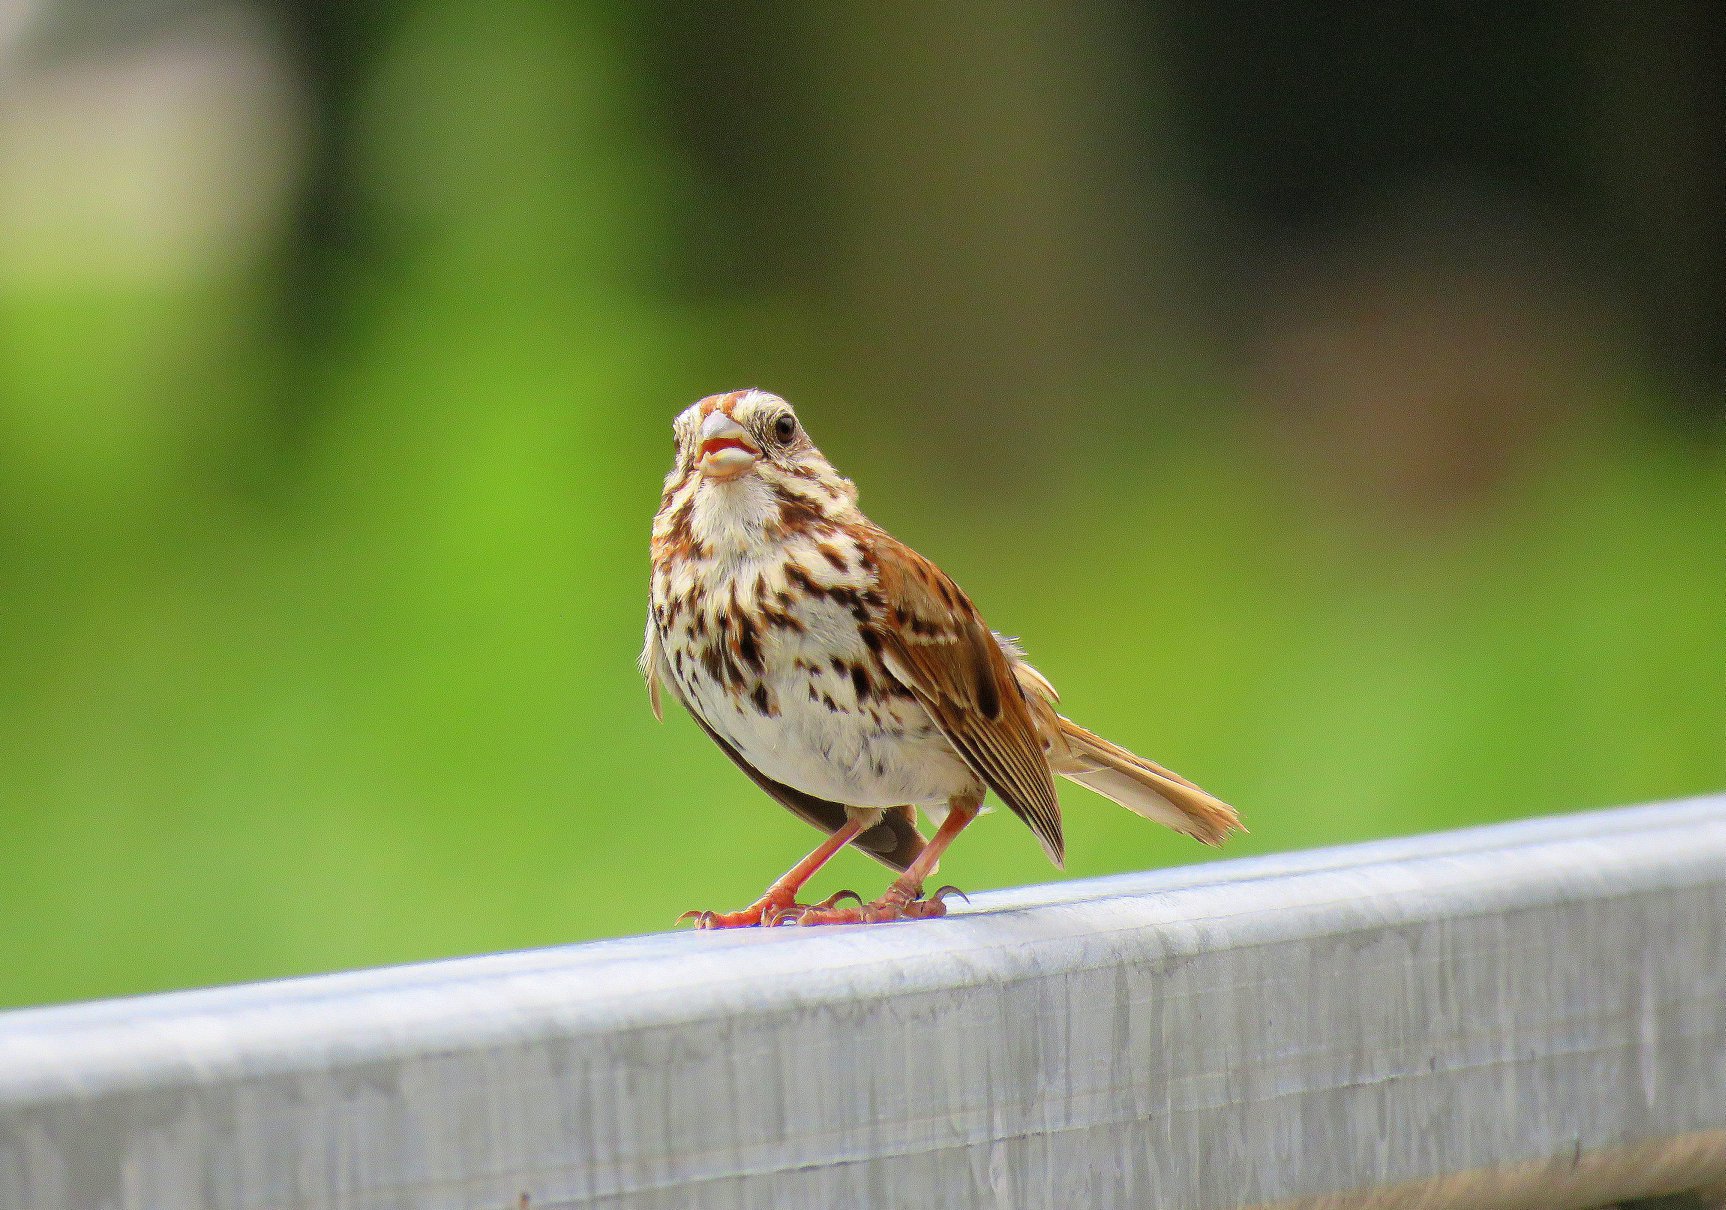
[1531, 1014]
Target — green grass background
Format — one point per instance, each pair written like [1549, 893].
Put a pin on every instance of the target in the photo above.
[271, 708]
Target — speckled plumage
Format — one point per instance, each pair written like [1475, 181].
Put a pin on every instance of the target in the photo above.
[846, 674]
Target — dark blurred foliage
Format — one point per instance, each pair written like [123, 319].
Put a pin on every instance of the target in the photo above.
[1331, 396]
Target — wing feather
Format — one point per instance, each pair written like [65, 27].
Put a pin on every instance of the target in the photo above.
[649, 665]
[934, 643]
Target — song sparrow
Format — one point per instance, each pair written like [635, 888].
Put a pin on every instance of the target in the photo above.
[849, 677]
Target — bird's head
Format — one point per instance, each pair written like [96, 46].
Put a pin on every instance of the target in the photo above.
[747, 474]
[745, 440]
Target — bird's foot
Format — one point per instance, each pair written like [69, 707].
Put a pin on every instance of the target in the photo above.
[795, 913]
[899, 903]
[768, 910]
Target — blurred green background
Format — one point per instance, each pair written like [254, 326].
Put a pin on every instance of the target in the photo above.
[1331, 397]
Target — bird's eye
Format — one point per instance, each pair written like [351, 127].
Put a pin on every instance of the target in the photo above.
[784, 429]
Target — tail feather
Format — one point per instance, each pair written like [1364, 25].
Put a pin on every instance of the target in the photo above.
[1142, 786]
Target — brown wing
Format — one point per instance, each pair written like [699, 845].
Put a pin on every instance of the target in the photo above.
[933, 642]
[894, 842]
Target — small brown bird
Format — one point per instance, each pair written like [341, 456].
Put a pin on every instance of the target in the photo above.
[849, 677]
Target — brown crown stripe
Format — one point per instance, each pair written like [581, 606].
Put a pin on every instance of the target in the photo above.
[723, 403]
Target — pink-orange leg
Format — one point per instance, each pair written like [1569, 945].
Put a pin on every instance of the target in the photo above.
[781, 897]
[904, 898]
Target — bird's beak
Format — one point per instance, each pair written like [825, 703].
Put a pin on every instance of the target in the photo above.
[725, 450]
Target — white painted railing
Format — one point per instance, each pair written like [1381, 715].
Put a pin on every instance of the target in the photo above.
[1531, 1014]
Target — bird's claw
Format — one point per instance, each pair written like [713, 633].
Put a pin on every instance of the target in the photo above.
[894, 905]
[762, 911]
[781, 914]
[793, 913]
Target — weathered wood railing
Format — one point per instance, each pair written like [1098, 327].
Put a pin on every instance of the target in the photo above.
[1531, 1014]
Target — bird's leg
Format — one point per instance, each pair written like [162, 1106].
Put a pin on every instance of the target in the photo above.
[904, 898]
[781, 897]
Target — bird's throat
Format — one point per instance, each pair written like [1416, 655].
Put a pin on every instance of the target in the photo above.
[732, 517]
